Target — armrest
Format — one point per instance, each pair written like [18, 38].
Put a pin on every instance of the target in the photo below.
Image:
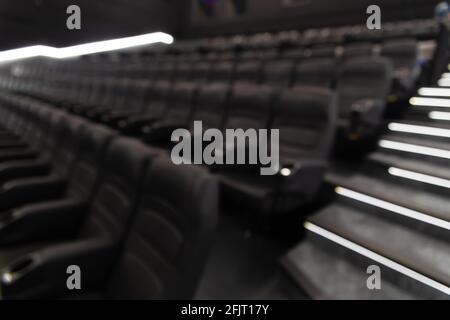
[26, 190]
[12, 143]
[117, 115]
[365, 114]
[368, 110]
[48, 220]
[161, 132]
[43, 274]
[16, 169]
[303, 177]
[17, 154]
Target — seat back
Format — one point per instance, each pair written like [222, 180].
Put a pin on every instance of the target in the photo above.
[248, 72]
[166, 247]
[221, 71]
[115, 197]
[358, 49]
[156, 101]
[210, 105]
[93, 141]
[362, 78]
[306, 118]
[249, 107]
[315, 72]
[181, 102]
[278, 74]
[200, 72]
[402, 53]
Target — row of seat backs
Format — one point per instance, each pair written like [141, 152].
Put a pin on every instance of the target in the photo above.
[176, 205]
[322, 72]
[415, 29]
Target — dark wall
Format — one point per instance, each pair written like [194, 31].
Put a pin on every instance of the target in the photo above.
[263, 15]
[26, 22]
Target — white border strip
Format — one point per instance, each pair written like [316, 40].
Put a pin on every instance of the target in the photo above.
[434, 92]
[416, 129]
[430, 102]
[393, 208]
[402, 173]
[377, 257]
[413, 148]
[438, 115]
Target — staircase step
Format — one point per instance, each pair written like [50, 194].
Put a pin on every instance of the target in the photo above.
[417, 174]
[417, 251]
[325, 269]
[419, 166]
[416, 148]
[421, 201]
[421, 129]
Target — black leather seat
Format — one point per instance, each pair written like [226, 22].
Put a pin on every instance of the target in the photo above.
[29, 222]
[153, 108]
[278, 74]
[177, 114]
[403, 55]
[305, 118]
[103, 222]
[248, 72]
[222, 71]
[163, 253]
[358, 49]
[362, 87]
[315, 72]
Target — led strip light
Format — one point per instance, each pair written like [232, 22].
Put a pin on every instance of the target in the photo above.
[438, 115]
[393, 208]
[377, 257]
[444, 82]
[434, 92]
[87, 48]
[423, 130]
[412, 148]
[419, 177]
[430, 102]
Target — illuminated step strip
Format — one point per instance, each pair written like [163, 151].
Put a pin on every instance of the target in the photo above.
[438, 115]
[412, 148]
[419, 177]
[413, 214]
[416, 129]
[430, 102]
[377, 257]
[444, 82]
[434, 92]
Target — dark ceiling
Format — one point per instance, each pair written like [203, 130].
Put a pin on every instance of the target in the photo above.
[27, 22]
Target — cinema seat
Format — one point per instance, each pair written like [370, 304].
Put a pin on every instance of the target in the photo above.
[305, 117]
[403, 55]
[30, 222]
[153, 108]
[362, 87]
[106, 217]
[178, 111]
[248, 72]
[175, 216]
[278, 74]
